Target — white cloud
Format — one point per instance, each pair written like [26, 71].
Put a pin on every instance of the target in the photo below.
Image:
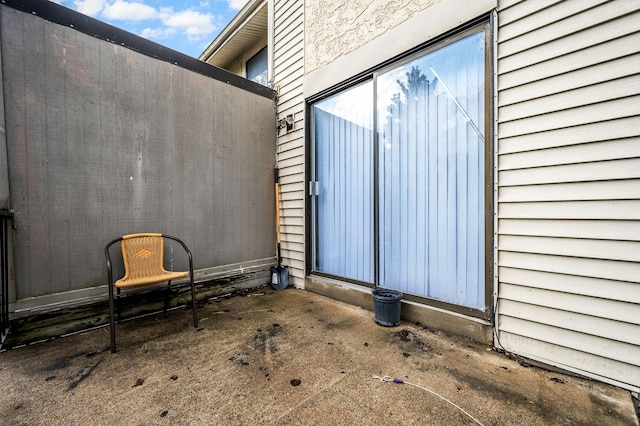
[237, 4]
[155, 23]
[89, 7]
[165, 13]
[194, 24]
[126, 11]
[157, 33]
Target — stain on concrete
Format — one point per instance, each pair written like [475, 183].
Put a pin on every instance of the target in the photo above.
[265, 341]
[412, 341]
[607, 406]
[58, 364]
[82, 375]
[495, 391]
[240, 372]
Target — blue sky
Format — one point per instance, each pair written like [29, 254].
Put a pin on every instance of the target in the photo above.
[187, 26]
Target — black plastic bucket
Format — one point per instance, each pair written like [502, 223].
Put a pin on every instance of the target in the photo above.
[386, 306]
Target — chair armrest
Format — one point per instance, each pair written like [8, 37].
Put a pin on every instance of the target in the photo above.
[186, 249]
[108, 260]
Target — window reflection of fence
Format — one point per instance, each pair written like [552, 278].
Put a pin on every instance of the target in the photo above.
[344, 151]
[5, 219]
[431, 174]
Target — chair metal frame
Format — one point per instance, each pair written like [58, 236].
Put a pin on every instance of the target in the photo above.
[135, 277]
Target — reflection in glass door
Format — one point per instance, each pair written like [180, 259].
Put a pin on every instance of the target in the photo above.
[430, 123]
[343, 186]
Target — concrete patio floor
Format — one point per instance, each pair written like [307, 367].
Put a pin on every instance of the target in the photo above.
[288, 357]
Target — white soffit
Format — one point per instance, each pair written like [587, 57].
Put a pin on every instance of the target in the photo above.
[248, 26]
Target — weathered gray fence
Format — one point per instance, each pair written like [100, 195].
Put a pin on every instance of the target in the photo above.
[102, 141]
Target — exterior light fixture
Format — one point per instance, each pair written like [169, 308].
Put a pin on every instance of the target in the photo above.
[286, 122]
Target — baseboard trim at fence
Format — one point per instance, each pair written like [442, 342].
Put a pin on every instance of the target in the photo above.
[73, 298]
[61, 319]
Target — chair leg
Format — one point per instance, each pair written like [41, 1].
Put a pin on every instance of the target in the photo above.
[167, 296]
[118, 304]
[193, 302]
[112, 325]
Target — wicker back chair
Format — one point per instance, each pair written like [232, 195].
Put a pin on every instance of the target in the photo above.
[143, 257]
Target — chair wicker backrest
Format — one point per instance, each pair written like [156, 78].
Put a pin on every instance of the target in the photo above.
[143, 255]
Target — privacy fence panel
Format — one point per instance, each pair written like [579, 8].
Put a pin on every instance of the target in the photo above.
[103, 140]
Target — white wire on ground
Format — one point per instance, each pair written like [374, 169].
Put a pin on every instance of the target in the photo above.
[385, 379]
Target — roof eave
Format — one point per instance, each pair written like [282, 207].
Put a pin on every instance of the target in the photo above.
[244, 16]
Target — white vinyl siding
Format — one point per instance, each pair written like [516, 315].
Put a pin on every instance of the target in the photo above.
[288, 72]
[569, 185]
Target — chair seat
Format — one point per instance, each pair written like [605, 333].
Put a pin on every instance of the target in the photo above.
[150, 279]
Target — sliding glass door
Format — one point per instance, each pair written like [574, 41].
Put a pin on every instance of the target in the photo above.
[430, 121]
[343, 184]
[403, 207]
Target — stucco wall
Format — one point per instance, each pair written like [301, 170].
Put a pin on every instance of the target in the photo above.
[336, 28]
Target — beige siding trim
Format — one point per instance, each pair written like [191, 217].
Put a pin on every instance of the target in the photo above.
[290, 99]
[591, 94]
[291, 178]
[599, 54]
[581, 322]
[568, 172]
[617, 373]
[625, 107]
[611, 350]
[622, 230]
[287, 14]
[515, 10]
[612, 312]
[577, 32]
[545, 17]
[289, 64]
[292, 229]
[293, 203]
[628, 127]
[622, 291]
[294, 152]
[287, 36]
[574, 154]
[581, 172]
[295, 173]
[602, 72]
[618, 190]
[288, 53]
[628, 251]
[290, 145]
[578, 266]
[597, 210]
[290, 162]
[574, 42]
[293, 221]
